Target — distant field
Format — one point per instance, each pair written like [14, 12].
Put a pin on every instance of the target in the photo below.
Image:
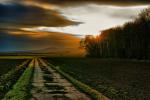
[117, 79]
[8, 64]
[16, 57]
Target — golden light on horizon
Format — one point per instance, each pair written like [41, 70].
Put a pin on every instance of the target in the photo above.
[30, 34]
[40, 24]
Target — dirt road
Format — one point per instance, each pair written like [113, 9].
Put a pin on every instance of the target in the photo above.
[47, 84]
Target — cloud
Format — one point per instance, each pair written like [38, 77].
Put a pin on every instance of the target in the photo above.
[23, 15]
[14, 16]
[39, 18]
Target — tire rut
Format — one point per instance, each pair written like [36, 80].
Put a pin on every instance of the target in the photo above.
[47, 84]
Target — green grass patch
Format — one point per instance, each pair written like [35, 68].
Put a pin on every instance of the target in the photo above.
[20, 90]
[9, 79]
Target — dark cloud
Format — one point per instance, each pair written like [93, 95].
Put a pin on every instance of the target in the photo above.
[23, 15]
[14, 16]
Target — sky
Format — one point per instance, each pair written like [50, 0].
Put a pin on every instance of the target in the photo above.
[93, 18]
[43, 26]
[15, 16]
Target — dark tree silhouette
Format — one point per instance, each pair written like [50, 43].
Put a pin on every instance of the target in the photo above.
[132, 40]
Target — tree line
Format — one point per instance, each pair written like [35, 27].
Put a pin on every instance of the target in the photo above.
[132, 40]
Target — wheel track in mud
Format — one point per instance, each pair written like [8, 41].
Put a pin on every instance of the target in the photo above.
[48, 84]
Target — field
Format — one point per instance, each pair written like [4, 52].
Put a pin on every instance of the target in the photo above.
[33, 79]
[117, 79]
[11, 68]
[8, 64]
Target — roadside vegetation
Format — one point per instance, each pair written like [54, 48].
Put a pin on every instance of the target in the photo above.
[95, 95]
[8, 79]
[9, 64]
[20, 90]
[130, 41]
[117, 79]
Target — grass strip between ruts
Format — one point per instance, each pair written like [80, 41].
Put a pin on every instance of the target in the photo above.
[21, 88]
[95, 95]
[9, 79]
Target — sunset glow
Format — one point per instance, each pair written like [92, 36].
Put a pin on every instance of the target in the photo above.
[88, 20]
[45, 24]
[74, 49]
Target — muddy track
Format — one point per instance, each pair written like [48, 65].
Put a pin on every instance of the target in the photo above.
[47, 84]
